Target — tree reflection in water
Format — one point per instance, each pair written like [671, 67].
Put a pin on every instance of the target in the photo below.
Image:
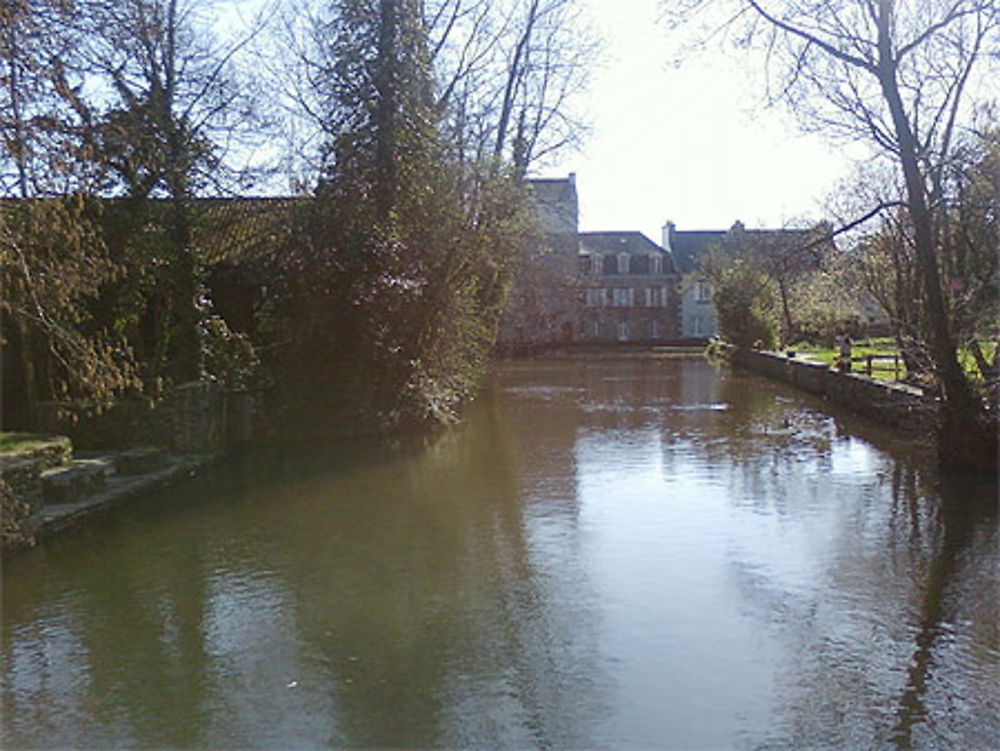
[606, 553]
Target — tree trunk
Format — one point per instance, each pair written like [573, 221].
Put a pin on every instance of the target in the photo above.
[26, 418]
[786, 312]
[965, 437]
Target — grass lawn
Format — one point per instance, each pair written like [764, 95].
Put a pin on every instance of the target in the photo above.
[16, 443]
[884, 369]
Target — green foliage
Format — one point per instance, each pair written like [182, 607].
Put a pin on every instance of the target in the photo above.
[971, 238]
[882, 347]
[14, 443]
[53, 264]
[745, 303]
[822, 315]
[387, 300]
[228, 357]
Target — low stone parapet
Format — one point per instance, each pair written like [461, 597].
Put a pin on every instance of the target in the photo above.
[893, 404]
[76, 480]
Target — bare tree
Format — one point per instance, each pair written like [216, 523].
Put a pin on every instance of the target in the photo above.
[506, 77]
[35, 158]
[511, 72]
[896, 74]
[155, 103]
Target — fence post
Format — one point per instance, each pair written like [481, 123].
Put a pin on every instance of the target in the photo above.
[869, 359]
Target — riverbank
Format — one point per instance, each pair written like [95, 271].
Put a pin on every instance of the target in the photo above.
[897, 405]
[46, 491]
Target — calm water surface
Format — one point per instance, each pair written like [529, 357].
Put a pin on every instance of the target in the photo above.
[615, 554]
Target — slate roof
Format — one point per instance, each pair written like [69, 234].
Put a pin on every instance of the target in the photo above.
[690, 248]
[552, 190]
[633, 243]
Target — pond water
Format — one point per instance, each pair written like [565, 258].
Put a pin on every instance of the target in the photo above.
[630, 553]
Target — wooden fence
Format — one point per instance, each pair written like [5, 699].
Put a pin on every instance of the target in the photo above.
[867, 360]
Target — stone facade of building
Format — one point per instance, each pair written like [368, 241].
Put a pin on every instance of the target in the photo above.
[629, 289]
[591, 287]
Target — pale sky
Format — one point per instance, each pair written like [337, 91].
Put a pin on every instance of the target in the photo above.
[692, 144]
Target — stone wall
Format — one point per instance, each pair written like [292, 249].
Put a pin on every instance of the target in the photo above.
[892, 404]
[195, 418]
[20, 498]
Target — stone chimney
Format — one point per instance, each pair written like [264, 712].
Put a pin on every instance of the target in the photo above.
[668, 231]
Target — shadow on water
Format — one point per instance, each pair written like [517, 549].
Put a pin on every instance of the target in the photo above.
[962, 520]
[343, 596]
[604, 554]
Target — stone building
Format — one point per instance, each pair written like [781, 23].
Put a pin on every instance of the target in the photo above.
[591, 287]
[543, 306]
[784, 251]
[629, 289]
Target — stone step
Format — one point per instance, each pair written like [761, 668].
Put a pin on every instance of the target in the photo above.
[71, 482]
[139, 461]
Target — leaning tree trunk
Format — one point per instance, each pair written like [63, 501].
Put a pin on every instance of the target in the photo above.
[967, 433]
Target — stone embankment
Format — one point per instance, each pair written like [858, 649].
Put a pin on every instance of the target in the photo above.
[895, 404]
[47, 487]
[48, 490]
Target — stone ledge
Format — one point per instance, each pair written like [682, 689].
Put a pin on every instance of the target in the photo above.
[896, 405]
[119, 488]
[73, 481]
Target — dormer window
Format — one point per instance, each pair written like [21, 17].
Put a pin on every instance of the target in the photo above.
[655, 264]
[623, 263]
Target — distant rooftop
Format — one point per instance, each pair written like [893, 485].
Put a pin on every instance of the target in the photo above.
[633, 243]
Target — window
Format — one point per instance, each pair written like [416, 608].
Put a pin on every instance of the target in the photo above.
[654, 329]
[623, 263]
[622, 297]
[655, 265]
[623, 331]
[585, 265]
[702, 291]
[656, 297]
[596, 298]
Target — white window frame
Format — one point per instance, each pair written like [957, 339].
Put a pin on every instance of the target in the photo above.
[622, 297]
[655, 264]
